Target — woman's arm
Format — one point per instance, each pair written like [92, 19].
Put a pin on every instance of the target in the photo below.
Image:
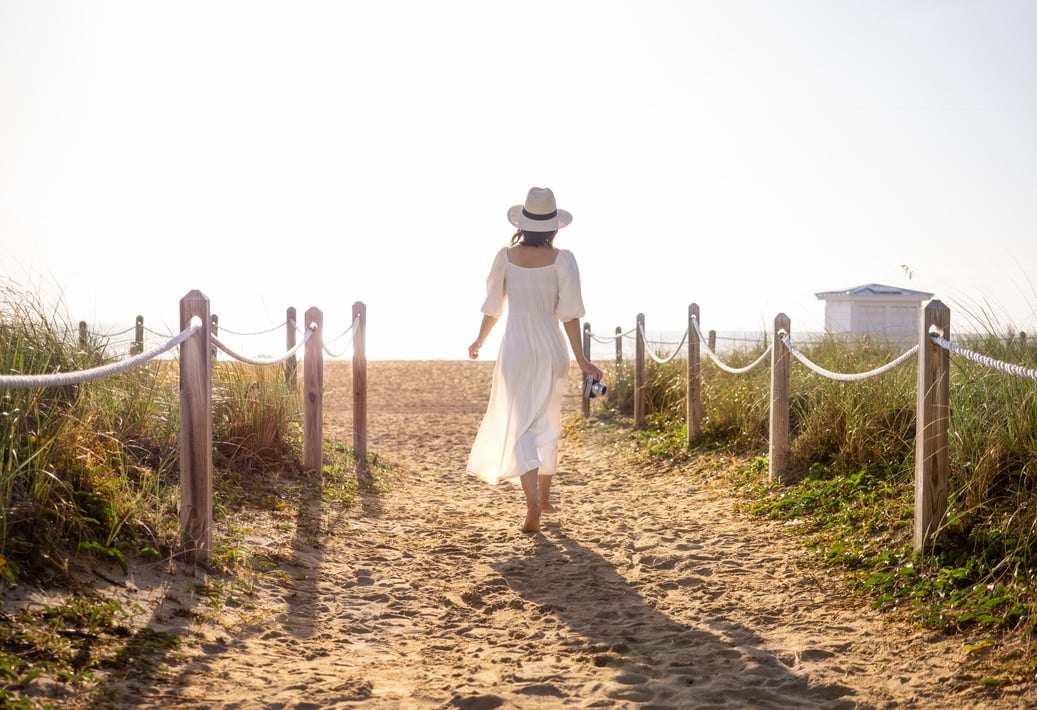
[484, 329]
[572, 329]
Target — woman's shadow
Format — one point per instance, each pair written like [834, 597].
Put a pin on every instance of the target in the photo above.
[645, 655]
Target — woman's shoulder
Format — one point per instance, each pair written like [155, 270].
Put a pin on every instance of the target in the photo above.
[565, 255]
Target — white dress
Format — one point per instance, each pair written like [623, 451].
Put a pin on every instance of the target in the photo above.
[523, 419]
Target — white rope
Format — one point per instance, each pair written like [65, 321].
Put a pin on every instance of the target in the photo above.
[612, 338]
[660, 360]
[63, 379]
[356, 322]
[156, 333]
[339, 355]
[853, 377]
[259, 332]
[1018, 370]
[712, 356]
[113, 335]
[264, 361]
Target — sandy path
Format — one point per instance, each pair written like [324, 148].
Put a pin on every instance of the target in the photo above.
[643, 592]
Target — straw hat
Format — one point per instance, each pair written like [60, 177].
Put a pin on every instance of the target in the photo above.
[539, 214]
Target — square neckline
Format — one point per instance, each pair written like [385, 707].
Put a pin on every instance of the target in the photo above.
[507, 257]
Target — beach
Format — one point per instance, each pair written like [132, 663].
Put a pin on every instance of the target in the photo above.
[645, 590]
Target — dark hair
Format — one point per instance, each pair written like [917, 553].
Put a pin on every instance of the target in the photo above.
[534, 239]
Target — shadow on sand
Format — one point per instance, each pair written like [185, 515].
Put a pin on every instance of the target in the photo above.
[655, 660]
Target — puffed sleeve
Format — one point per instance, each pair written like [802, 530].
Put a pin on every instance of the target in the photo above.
[570, 297]
[496, 293]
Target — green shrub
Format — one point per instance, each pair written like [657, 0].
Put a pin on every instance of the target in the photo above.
[254, 417]
[94, 466]
[852, 463]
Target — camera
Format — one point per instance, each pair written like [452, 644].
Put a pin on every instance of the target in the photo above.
[593, 387]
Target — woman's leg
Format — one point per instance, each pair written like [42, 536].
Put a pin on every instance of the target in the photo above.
[544, 486]
[531, 488]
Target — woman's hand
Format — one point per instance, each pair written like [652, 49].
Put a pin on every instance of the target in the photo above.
[473, 350]
[589, 368]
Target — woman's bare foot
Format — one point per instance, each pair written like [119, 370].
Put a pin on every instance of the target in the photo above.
[547, 508]
[532, 523]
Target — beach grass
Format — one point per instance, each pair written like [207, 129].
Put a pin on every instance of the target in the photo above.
[92, 469]
[852, 471]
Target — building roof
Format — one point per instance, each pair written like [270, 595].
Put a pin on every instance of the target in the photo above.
[880, 290]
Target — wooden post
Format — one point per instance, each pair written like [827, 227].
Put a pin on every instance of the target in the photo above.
[694, 377]
[84, 336]
[360, 394]
[195, 431]
[712, 335]
[619, 364]
[639, 374]
[779, 410]
[291, 365]
[138, 337]
[313, 393]
[932, 460]
[215, 332]
[586, 354]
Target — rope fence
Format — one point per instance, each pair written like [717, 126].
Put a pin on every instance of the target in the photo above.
[342, 335]
[78, 377]
[272, 329]
[197, 343]
[265, 361]
[658, 358]
[842, 376]
[719, 363]
[606, 340]
[931, 354]
[937, 337]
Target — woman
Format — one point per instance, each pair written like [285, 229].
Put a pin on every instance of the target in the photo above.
[518, 438]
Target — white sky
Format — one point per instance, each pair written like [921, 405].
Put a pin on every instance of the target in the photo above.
[740, 155]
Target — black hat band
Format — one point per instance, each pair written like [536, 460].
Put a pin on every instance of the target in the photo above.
[541, 217]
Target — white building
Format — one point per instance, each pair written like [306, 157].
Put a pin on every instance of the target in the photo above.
[873, 310]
